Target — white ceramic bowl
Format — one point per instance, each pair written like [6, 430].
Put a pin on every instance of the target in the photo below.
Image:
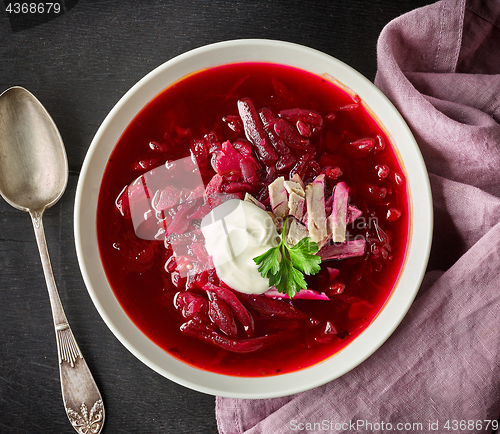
[88, 189]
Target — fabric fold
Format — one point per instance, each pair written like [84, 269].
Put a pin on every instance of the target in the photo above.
[440, 66]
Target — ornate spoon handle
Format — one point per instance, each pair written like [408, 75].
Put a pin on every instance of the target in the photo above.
[81, 397]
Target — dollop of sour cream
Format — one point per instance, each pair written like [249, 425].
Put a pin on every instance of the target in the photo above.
[236, 232]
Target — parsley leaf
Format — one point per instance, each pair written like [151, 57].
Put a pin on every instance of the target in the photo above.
[270, 262]
[285, 266]
[303, 256]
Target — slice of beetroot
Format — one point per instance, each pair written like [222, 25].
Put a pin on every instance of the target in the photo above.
[285, 156]
[237, 187]
[239, 310]
[332, 273]
[244, 147]
[303, 129]
[302, 115]
[382, 171]
[332, 173]
[379, 144]
[393, 214]
[193, 329]
[190, 305]
[398, 178]
[374, 193]
[336, 288]
[361, 148]
[301, 165]
[268, 118]
[222, 315]
[248, 169]
[326, 333]
[290, 135]
[244, 345]
[228, 160]
[285, 161]
[214, 186]
[254, 131]
[199, 151]
[234, 123]
[270, 306]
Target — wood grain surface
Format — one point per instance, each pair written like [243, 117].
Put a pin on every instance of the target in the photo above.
[79, 65]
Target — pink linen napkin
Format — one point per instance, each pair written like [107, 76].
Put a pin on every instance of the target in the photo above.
[440, 370]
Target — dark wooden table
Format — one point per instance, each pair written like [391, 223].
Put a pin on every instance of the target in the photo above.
[79, 64]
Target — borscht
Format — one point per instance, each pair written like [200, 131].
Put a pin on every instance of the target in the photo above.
[253, 219]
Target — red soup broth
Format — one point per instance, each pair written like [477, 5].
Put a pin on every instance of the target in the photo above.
[193, 117]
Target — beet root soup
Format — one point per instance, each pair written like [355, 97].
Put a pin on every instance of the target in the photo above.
[253, 219]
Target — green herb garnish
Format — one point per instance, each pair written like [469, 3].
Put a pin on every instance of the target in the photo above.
[285, 266]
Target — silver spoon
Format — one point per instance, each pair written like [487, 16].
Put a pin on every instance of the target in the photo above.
[33, 176]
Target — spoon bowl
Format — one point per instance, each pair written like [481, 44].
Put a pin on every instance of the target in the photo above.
[33, 163]
[33, 176]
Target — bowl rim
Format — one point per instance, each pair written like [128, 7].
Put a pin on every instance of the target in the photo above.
[394, 310]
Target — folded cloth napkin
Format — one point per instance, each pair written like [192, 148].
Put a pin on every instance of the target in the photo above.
[440, 370]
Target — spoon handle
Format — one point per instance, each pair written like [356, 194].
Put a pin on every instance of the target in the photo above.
[81, 397]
